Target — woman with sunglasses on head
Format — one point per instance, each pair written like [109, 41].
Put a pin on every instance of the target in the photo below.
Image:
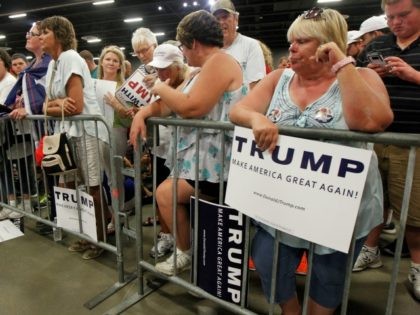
[27, 97]
[322, 89]
[207, 94]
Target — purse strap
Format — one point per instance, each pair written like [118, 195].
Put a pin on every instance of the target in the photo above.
[47, 99]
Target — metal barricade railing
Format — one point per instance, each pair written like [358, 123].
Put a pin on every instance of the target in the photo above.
[144, 265]
[16, 181]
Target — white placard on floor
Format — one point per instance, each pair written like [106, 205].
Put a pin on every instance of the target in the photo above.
[8, 231]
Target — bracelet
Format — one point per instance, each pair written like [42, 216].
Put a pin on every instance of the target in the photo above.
[343, 62]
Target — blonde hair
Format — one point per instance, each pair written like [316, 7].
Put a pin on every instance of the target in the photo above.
[329, 26]
[268, 55]
[121, 71]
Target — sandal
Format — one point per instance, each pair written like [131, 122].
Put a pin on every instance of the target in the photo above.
[150, 221]
[92, 252]
[78, 246]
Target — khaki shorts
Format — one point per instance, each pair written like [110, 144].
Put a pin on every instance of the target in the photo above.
[86, 152]
[393, 162]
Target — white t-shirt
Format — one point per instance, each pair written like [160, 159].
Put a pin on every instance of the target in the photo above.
[69, 62]
[248, 53]
[5, 86]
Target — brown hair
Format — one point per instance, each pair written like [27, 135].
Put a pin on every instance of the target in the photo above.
[200, 26]
[63, 31]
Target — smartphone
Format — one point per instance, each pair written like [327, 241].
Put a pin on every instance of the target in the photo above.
[376, 58]
[5, 109]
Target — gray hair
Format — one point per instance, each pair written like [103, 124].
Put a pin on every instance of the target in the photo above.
[143, 35]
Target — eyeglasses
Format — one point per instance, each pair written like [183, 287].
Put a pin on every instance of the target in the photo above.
[143, 51]
[312, 13]
[32, 34]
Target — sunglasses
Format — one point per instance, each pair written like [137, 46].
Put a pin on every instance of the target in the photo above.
[312, 13]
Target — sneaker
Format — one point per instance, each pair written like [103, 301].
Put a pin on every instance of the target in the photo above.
[92, 252]
[43, 229]
[251, 264]
[164, 245]
[79, 246]
[9, 214]
[414, 278]
[167, 267]
[389, 226]
[390, 249]
[4, 214]
[368, 259]
[302, 268]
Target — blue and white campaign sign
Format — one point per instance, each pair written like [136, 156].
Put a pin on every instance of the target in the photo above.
[67, 214]
[306, 188]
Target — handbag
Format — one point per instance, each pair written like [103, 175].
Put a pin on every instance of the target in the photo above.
[58, 155]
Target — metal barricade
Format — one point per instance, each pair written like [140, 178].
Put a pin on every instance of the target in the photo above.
[146, 266]
[21, 179]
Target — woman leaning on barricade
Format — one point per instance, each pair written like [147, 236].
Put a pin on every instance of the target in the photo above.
[26, 97]
[70, 88]
[207, 94]
[323, 89]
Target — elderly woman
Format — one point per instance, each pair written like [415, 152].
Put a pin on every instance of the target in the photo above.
[169, 63]
[206, 95]
[321, 79]
[70, 89]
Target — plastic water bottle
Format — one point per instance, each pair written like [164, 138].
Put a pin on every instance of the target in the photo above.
[57, 232]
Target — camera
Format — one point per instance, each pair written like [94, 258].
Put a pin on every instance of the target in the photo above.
[376, 58]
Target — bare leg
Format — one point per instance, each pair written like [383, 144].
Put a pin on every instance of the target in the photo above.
[413, 241]
[291, 307]
[316, 309]
[164, 196]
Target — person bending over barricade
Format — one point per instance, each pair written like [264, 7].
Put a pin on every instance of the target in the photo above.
[208, 95]
[70, 88]
[321, 79]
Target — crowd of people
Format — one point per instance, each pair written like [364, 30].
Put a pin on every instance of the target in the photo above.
[367, 79]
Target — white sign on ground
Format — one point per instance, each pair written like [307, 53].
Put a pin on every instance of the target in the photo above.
[306, 188]
[67, 214]
[8, 231]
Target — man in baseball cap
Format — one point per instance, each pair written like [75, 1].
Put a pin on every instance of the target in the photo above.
[244, 49]
[354, 43]
[373, 27]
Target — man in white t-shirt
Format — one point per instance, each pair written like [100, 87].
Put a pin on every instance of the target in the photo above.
[244, 49]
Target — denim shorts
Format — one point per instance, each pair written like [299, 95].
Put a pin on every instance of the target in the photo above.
[328, 271]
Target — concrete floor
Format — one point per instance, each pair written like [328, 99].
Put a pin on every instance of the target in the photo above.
[40, 277]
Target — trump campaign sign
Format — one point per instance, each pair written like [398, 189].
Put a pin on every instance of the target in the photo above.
[309, 189]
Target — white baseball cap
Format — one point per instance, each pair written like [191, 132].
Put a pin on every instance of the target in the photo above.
[164, 55]
[373, 23]
[226, 5]
[353, 36]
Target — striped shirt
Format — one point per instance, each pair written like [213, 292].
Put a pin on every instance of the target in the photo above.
[404, 95]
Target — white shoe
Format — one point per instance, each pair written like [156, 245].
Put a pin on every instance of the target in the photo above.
[164, 245]
[9, 214]
[4, 214]
[414, 278]
[183, 262]
[368, 259]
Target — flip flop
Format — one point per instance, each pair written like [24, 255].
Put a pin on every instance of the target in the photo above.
[149, 221]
